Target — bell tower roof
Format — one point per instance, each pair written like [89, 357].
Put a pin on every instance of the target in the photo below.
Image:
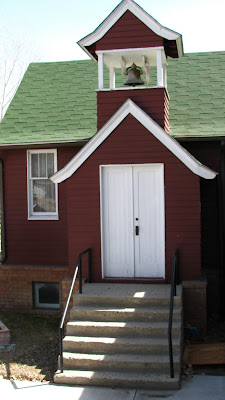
[99, 38]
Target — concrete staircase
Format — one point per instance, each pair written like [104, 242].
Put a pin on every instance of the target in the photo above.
[117, 337]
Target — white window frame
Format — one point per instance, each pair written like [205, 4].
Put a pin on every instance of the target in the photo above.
[32, 215]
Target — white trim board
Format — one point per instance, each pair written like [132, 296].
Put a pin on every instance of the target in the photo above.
[129, 107]
[142, 15]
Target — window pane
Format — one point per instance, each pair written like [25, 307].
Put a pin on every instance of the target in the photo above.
[43, 196]
[50, 164]
[34, 165]
[42, 191]
[49, 293]
[42, 165]
[46, 295]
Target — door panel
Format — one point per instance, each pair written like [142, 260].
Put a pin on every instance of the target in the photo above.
[118, 246]
[148, 213]
[133, 196]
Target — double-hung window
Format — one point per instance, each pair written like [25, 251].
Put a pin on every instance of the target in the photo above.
[42, 192]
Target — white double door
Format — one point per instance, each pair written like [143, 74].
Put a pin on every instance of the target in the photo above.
[133, 228]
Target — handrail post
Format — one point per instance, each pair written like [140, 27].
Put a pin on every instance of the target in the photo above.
[78, 265]
[171, 357]
[80, 276]
[173, 292]
[89, 265]
[177, 276]
[60, 349]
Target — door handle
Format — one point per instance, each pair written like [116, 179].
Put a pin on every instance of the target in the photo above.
[136, 230]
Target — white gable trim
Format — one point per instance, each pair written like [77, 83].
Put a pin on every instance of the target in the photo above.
[129, 107]
[142, 15]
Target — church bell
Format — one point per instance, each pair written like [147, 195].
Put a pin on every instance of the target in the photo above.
[133, 77]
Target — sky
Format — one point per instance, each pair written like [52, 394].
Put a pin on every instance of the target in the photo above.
[53, 27]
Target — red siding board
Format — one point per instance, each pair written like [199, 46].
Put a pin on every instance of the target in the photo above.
[131, 143]
[32, 242]
[131, 32]
[151, 101]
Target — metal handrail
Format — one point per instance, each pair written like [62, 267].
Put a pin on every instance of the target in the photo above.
[78, 267]
[174, 282]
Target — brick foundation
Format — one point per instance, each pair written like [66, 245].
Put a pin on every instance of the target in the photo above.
[194, 303]
[16, 281]
[16, 293]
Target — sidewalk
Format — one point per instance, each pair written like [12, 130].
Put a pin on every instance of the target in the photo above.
[196, 388]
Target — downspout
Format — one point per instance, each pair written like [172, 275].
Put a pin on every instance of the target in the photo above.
[2, 216]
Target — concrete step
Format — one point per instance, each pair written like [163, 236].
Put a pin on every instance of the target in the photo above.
[118, 336]
[117, 379]
[92, 313]
[84, 300]
[102, 328]
[105, 345]
[147, 362]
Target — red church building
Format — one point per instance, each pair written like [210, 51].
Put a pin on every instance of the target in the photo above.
[122, 154]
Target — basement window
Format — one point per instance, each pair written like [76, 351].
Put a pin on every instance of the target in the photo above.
[46, 295]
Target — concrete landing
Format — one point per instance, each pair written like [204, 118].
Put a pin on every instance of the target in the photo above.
[136, 290]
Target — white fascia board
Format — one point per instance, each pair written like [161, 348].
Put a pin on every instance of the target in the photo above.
[142, 15]
[184, 156]
[92, 145]
[129, 107]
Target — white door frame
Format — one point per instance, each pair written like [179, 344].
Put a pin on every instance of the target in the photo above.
[101, 167]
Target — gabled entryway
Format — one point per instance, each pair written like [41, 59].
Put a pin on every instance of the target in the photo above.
[132, 213]
[122, 174]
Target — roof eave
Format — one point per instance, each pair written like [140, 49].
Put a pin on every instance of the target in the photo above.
[79, 142]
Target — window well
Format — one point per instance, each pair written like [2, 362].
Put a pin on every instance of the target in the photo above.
[46, 295]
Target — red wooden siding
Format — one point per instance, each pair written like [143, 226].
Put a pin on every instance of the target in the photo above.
[131, 143]
[154, 102]
[127, 32]
[32, 242]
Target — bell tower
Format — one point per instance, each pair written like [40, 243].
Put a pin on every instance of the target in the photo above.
[131, 49]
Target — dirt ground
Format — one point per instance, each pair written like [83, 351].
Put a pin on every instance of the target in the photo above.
[215, 334]
[34, 348]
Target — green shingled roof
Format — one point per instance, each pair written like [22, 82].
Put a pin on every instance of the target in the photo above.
[196, 85]
[56, 102]
[53, 103]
